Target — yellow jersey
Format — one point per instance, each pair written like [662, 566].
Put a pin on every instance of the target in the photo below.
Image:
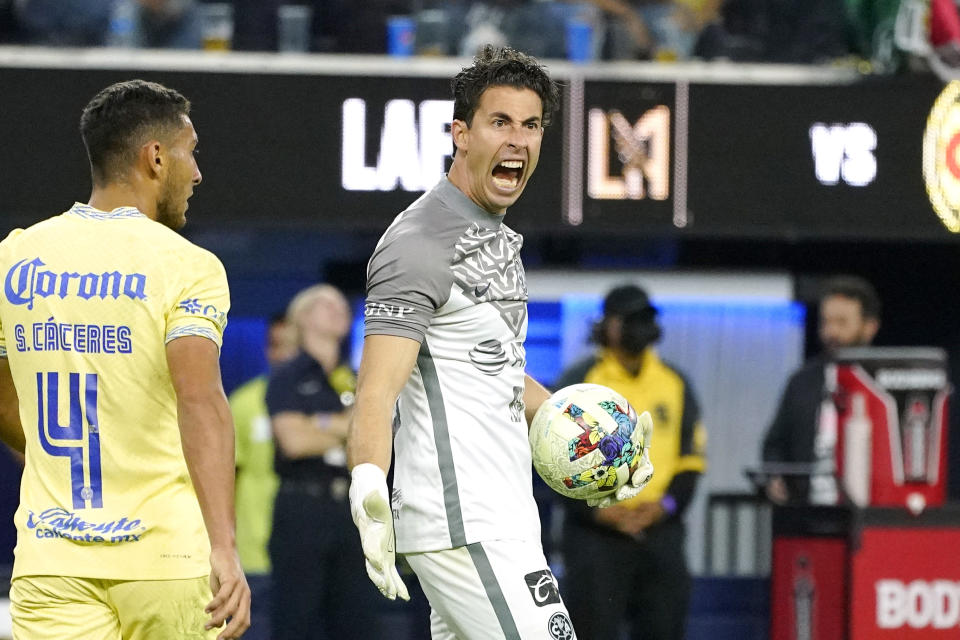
[90, 299]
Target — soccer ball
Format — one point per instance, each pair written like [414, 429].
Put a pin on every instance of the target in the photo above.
[583, 441]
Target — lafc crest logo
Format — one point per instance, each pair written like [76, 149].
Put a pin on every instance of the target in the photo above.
[642, 149]
[941, 156]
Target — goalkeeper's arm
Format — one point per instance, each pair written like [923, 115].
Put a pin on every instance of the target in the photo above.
[534, 395]
[386, 364]
[384, 368]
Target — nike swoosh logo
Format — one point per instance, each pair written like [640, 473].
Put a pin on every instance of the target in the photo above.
[478, 292]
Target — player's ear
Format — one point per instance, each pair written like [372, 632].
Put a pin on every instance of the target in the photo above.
[460, 133]
[151, 157]
[870, 328]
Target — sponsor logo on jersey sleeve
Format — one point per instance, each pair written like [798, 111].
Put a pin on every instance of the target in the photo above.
[384, 310]
[543, 587]
[195, 307]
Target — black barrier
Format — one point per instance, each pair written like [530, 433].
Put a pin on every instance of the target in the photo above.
[661, 157]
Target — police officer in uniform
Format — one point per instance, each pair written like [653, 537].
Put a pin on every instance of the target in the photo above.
[318, 591]
[625, 564]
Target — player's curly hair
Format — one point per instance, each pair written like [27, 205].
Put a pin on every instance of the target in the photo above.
[124, 116]
[502, 66]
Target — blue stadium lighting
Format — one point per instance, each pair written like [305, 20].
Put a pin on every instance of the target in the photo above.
[558, 329]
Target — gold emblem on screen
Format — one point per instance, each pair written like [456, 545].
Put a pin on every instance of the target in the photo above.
[642, 149]
[941, 156]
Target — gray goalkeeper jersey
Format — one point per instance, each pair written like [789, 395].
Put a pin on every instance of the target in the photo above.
[448, 274]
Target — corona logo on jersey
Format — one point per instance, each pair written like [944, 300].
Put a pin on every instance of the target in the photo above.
[26, 280]
[642, 148]
[941, 156]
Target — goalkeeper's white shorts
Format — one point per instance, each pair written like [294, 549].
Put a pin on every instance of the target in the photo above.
[493, 590]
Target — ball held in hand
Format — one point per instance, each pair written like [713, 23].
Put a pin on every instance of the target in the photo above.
[586, 442]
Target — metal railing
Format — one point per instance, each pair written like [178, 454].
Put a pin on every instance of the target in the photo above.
[738, 535]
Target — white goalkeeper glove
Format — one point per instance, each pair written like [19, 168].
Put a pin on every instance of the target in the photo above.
[644, 471]
[370, 508]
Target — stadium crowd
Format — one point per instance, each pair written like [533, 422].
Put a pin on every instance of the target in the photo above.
[792, 31]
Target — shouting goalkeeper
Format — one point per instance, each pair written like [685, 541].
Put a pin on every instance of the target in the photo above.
[446, 319]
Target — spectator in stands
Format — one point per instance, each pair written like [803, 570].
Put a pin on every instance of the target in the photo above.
[849, 317]
[169, 24]
[739, 33]
[255, 25]
[659, 29]
[788, 31]
[256, 484]
[348, 26]
[129, 23]
[641, 541]
[807, 31]
[534, 27]
[64, 23]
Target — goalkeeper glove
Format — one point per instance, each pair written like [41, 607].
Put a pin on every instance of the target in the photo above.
[644, 471]
[370, 508]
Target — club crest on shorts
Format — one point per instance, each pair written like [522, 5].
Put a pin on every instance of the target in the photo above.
[543, 587]
[560, 627]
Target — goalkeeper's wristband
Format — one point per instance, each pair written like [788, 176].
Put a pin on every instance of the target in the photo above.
[368, 475]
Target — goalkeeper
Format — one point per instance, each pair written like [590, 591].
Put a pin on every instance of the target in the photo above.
[641, 540]
[446, 319]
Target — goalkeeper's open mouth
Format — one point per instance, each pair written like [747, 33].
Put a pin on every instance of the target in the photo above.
[508, 175]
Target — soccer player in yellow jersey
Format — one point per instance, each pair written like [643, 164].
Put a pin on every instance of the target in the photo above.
[110, 328]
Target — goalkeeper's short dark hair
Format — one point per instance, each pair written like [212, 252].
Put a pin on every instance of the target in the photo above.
[502, 67]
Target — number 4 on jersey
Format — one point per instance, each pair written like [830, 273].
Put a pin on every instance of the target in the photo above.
[86, 484]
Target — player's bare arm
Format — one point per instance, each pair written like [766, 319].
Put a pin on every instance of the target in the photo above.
[300, 435]
[534, 395]
[206, 430]
[11, 431]
[384, 368]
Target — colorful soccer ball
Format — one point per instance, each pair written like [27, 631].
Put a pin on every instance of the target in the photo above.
[583, 443]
